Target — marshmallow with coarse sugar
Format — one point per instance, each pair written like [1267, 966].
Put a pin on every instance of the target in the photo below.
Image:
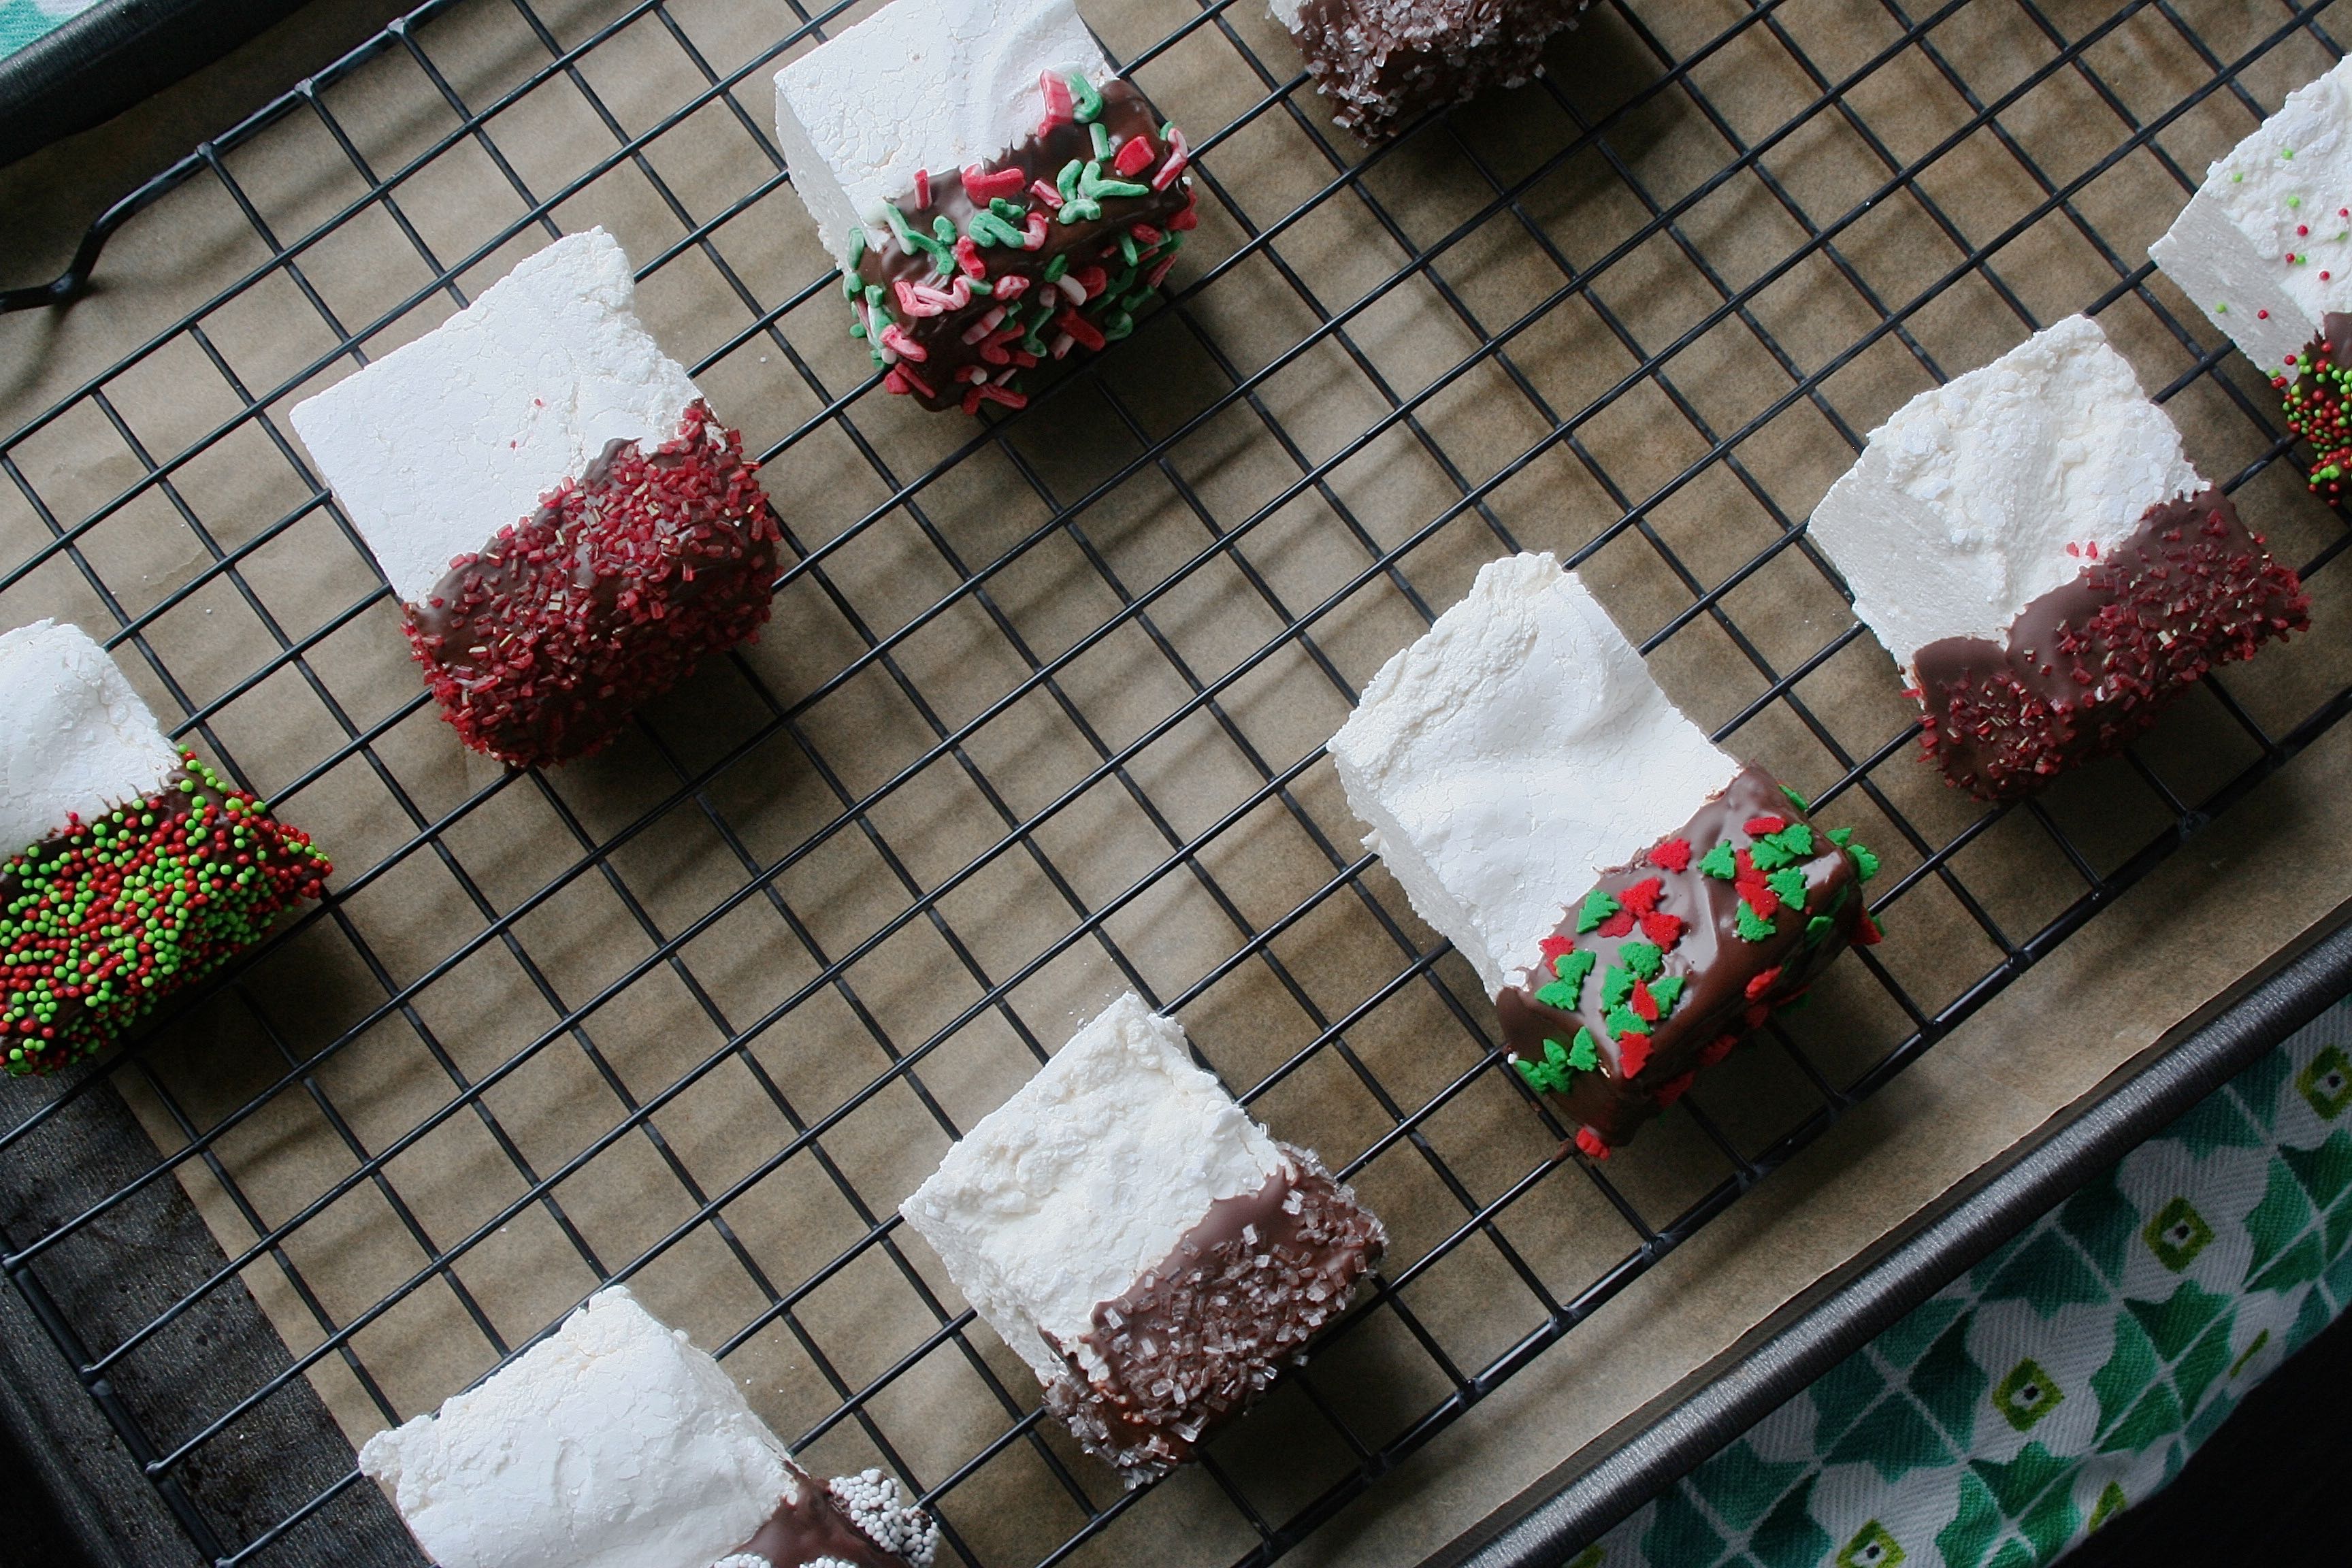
[2035, 551]
[615, 1442]
[103, 819]
[1152, 1253]
[568, 528]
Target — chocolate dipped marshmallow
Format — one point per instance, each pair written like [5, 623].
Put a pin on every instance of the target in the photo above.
[615, 1442]
[135, 869]
[995, 197]
[1153, 1254]
[1381, 62]
[569, 528]
[2034, 550]
[1634, 899]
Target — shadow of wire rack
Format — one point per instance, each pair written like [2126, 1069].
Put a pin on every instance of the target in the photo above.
[1040, 714]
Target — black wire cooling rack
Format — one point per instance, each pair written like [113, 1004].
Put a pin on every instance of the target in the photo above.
[1040, 716]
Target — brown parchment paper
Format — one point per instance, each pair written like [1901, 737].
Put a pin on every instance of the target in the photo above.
[816, 858]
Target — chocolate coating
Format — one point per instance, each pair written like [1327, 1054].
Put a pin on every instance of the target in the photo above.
[541, 644]
[812, 1528]
[1383, 61]
[2088, 666]
[939, 379]
[1729, 984]
[1194, 1341]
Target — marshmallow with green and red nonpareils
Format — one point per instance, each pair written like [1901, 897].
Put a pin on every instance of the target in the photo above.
[2265, 247]
[136, 870]
[568, 528]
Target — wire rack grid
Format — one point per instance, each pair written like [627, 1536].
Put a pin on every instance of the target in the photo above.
[1040, 716]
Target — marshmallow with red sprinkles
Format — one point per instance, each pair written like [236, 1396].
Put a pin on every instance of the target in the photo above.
[994, 197]
[136, 870]
[1153, 1254]
[2046, 566]
[569, 528]
[1634, 899]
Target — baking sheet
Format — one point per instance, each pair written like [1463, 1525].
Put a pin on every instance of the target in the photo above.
[880, 831]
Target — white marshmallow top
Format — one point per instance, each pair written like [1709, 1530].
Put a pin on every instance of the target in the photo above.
[610, 1443]
[446, 440]
[1065, 1195]
[74, 738]
[920, 85]
[1961, 510]
[1514, 753]
[2228, 251]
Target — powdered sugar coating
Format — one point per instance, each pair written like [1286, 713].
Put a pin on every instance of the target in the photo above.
[437, 446]
[1513, 753]
[612, 1444]
[920, 85]
[76, 741]
[1063, 1195]
[1963, 507]
[2265, 247]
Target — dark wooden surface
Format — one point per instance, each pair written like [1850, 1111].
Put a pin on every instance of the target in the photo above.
[119, 1274]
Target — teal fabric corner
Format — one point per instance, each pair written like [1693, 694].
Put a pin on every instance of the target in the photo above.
[2070, 1375]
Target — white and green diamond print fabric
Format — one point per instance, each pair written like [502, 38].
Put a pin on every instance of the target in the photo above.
[2070, 1373]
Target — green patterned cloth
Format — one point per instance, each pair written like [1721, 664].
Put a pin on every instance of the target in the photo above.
[22, 21]
[2070, 1373]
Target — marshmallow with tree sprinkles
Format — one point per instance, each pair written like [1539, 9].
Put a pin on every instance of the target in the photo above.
[2046, 568]
[1381, 62]
[613, 1443]
[1153, 1254]
[568, 529]
[2265, 247]
[994, 197]
[136, 870]
[1633, 898]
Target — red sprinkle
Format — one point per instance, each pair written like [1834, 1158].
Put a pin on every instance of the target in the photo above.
[1673, 1089]
[1135, 157]
[1763, 982]
[603, 599]
[1592, 1144]
[1866, 932]
[1619, 924]
[1763, 827]
[1662, 929]
[1717, 1049]
[1046, 193]
[1555, 947]
[1673, 855]
[1645, 1007]
[1642, 897]
[1059, 111]
[922, 189]
[982, 186]
[1633, 1054]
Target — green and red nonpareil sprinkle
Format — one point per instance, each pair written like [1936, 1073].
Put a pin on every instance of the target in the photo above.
[2319, 399]
[99, 923]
